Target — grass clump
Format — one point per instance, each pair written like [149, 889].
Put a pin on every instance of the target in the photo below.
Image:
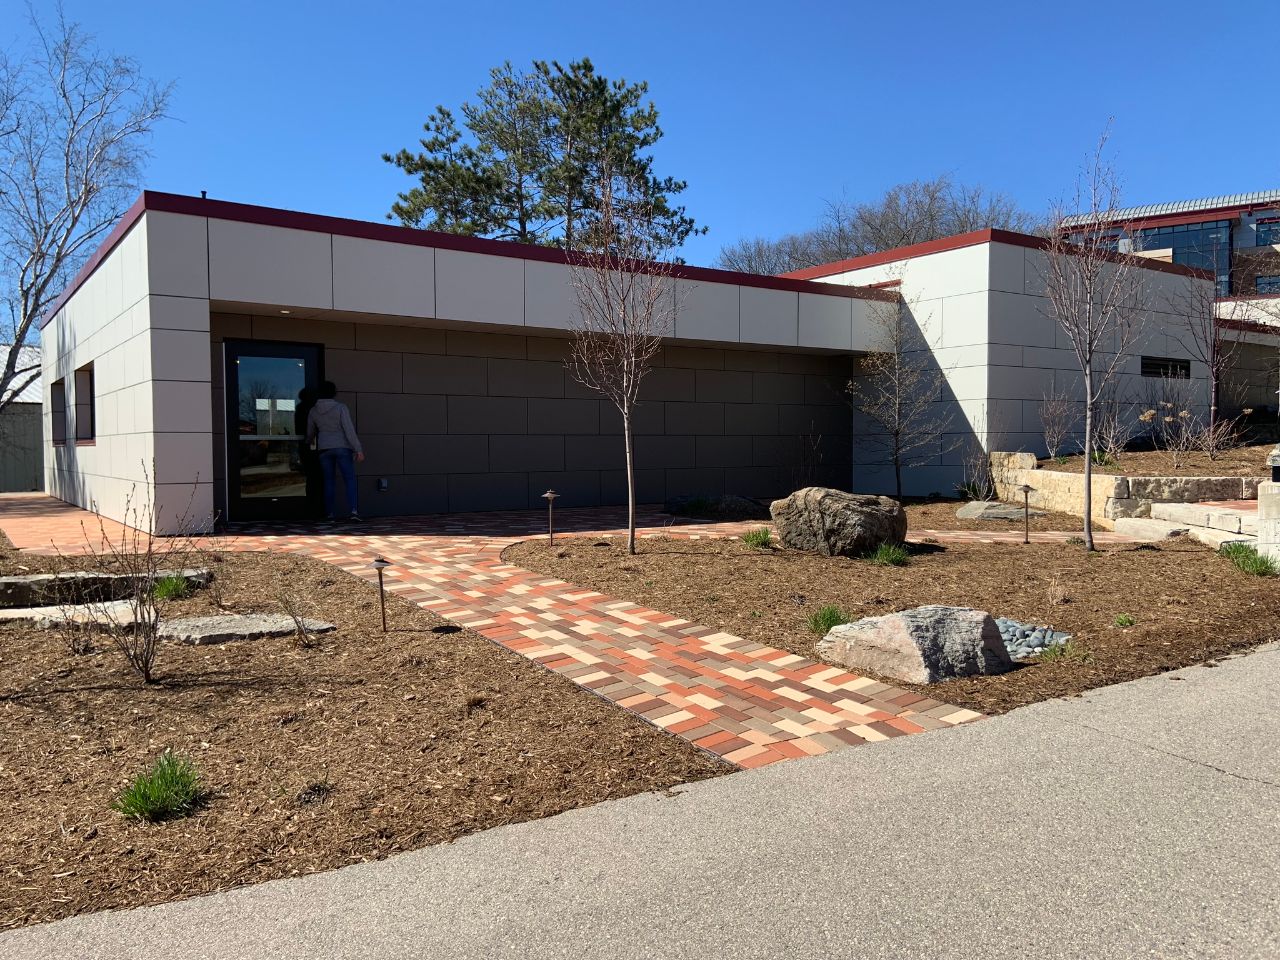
[172, 587]
[1247, 558]
[889, 555]
[168, 791]
[760, 538]
[1069, 652]
[824, 618]
[1125, 620]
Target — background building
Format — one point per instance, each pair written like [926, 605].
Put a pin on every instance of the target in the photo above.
[21, 434]
[1236, 237]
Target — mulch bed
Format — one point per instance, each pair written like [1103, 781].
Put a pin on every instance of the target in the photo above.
[1190, 605]
[351, 749]
[1238, 462]
[941, 515]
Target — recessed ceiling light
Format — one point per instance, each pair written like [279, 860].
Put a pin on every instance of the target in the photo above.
[286, 311]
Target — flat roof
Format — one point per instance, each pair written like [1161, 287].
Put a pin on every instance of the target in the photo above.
[958, 242]
[151, 200]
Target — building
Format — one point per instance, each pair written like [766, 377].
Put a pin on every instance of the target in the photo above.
[1236, 237]
[21, 446]
[979, 300]
[174, 361]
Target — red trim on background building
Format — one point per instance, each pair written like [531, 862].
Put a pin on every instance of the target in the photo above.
[390, 233]
[959, 242]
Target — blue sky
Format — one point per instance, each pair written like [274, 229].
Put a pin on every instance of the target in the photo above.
[768, 108]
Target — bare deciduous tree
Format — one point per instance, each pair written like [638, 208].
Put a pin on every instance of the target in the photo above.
[74, 122]
[897, 388]
[624, 281]
[906, 213]
[1094, 294]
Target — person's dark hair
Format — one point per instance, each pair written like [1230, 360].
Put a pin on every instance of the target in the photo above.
[328, 390]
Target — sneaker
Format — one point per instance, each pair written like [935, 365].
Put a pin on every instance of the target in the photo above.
[329, 520]
[355, 517]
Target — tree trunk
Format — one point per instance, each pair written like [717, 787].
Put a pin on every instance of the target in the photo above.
[1088, 461]
[631, 483]
[897, 473]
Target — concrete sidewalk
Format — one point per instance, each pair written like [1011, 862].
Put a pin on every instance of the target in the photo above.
[1139, 821]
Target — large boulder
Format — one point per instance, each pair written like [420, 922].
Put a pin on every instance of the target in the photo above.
[835, 523]
[923, 645]
[726, 506]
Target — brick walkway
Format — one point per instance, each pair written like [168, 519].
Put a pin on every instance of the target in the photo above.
[748, 703]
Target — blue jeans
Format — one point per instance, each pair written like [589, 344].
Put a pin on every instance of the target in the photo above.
[338, 460]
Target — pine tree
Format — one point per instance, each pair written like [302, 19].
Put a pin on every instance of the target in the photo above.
[529, 166]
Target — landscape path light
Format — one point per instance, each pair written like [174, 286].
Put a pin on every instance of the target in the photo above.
[550, 497]
[380, 564]
[1026, 489]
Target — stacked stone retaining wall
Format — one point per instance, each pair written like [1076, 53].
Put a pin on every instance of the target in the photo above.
[1113, 496]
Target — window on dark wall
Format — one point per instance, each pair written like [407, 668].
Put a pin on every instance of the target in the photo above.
[1267, 284]
[86, 428]
[58, 410]
[1167, 368]
[1268, 232]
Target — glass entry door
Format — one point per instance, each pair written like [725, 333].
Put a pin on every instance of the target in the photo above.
[271, 471]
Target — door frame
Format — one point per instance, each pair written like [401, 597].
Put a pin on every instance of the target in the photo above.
[239, 509]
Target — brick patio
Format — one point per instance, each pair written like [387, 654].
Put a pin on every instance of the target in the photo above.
[745, 702]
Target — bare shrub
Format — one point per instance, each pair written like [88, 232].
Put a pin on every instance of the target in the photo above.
[1114, 428]
[979, 479]
[1059, 416]
[141, 558]
[296, 609]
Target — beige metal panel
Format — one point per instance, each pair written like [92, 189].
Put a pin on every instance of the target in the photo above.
[386, 278]
[769, 316]
[251, 263]
[479, 288]
[177, 254]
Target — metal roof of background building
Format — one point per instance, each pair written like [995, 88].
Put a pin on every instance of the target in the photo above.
[28, 356]
[1223, 202]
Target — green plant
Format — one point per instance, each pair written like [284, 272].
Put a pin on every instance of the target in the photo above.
[1246, 557]
[169, 790]
[826, 617]
[889, 555]
[1103, 459]
[1125, 620]
[761, 538]
[1069, 652]
[173, 587]
[1076, 541]
[1061, 459]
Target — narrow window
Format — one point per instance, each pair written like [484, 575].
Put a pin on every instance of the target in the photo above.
[1167, 368]
[58, 410]
[85, 426]
[1268, 284]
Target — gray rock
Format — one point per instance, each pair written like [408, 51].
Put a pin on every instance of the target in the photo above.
[991, 510]
[80, 586]
[727, 506]
[223, 627]
[835, 523]
[106, 615]
[923, 645]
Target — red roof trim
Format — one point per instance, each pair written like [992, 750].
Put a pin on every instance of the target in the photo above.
[959, 242]
[390, 233]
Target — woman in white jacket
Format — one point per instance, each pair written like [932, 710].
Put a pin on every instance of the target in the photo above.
[333, 436]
